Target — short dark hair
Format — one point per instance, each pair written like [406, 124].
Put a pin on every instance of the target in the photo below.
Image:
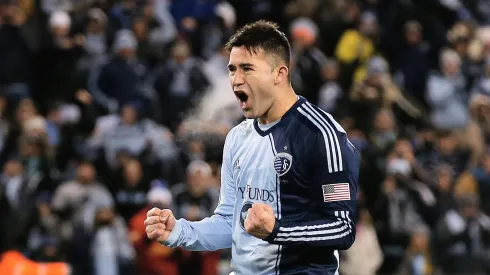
[262, 35]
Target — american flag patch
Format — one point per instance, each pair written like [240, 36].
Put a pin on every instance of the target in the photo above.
[336, 192]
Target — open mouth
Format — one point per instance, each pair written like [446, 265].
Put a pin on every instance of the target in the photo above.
[243, 97]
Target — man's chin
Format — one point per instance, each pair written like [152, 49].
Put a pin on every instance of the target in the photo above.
[249, 114]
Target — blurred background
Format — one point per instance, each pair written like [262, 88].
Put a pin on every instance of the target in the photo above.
[109, 108]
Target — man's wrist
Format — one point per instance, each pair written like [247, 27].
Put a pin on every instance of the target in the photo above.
[274, 232]
[174, 234]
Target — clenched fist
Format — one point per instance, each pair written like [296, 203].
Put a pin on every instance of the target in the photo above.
[260, 220]
[159, 223]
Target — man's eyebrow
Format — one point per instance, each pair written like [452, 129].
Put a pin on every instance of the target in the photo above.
[245, 65]
[241, 65]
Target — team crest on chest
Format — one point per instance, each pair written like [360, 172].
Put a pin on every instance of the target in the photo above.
[282, 163]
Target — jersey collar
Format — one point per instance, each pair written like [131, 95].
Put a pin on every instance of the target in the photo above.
[263, 133]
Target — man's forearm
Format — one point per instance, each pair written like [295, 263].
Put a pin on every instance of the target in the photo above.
[337, 232]
[210, 234]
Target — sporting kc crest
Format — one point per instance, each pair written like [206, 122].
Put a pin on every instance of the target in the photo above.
[282, 163]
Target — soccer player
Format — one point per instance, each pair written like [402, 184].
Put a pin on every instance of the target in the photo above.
[289, 173]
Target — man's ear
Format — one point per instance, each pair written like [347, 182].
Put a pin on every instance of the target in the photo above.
[282, 73]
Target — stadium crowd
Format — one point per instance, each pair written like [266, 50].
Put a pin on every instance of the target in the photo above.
[108, 108]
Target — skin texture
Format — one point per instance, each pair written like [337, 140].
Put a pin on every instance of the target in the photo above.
[159, 223]
[260, 220]
[264, 78]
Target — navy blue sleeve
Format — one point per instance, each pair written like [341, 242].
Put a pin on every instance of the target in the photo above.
[332, 165]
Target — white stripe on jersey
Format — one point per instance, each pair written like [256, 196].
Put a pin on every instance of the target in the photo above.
[279, 249]
[347, 216]
[331, 134]
[292, 234]
[313, 239]
[327, 123]
[336, 254]
[312, 233]
[327, 147]
[332, 142]
[310, 227]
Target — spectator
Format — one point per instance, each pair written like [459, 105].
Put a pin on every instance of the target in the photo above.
[71, 199]
[153, 258]
[446, 94]
[120, 15]
[448, 151]
[461, 235]
[413, 62]
[110, 251]
[476, 181]
[131, 194]
[385, 131]
[116, 79]
[418, 256]
[16, 48]
[480, 99]
[193, 19]
[331, 97]
[12, 189]
[179, 83]
[365, 256]
[95, 43]
[460, 36]
[307, 59]
[194, 200]
[24, 111]
[56, 62]
[356, 47]
[397, 218]
[130, 131]
[377, 90]
[44, 243]
[445, 189]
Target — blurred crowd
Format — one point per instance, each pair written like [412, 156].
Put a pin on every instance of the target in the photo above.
[111, 107]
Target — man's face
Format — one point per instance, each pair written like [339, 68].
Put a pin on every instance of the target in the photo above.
[60, 31]
[129, 114]
[450, 68]
[140, 28]
[369, 28]
[252, 80]
[180, 52]
[94, 26]
[86, 173]
[13, 168]
[127, 53]
[133, 173]
[413, 37]
[447, 145]
[384, 122]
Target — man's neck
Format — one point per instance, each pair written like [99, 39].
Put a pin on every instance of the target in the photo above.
[281, 105]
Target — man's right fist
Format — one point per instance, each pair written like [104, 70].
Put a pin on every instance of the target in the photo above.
[159, 223]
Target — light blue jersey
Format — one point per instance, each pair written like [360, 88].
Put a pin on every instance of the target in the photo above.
[306, 170]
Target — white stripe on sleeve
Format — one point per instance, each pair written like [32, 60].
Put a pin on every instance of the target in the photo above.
[329, 231]
[326, 123]
[327, 145]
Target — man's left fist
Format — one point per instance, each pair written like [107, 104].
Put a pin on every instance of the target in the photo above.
[260, 220]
